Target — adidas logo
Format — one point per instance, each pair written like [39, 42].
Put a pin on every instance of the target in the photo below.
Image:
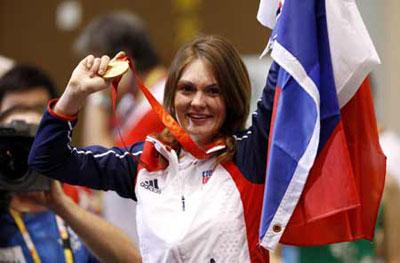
[151, 185]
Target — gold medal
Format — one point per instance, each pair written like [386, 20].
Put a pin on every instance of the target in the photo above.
[116, 68]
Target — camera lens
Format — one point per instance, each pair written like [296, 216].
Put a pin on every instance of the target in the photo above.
[13, 159]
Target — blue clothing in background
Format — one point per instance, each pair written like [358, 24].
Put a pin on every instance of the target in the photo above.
[44, 233]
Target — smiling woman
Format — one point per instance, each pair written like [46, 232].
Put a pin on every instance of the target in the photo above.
[195, 209]
[208, 91]
[221, 65]
[199, 105]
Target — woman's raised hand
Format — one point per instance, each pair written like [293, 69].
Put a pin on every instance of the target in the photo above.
[87, 76]
[85, 80]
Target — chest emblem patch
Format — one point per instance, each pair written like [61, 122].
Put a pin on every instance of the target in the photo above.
[206, 175]
[151, 185]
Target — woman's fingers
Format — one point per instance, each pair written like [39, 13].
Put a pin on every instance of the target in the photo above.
[103, 64]
[88, 61]
[95, 67]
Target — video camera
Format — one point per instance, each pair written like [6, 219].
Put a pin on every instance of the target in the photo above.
[15, 143]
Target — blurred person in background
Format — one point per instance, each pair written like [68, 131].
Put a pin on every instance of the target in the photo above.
[135, 119]
[25, 85]
[30, 232]
[28, 85]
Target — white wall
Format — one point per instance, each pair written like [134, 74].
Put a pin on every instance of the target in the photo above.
[383, 22]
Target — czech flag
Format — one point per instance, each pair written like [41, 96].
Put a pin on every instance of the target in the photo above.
[326, 170]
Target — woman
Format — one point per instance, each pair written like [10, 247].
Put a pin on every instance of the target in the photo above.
[188, 209]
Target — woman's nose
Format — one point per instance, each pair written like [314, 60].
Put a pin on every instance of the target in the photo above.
[198, 99]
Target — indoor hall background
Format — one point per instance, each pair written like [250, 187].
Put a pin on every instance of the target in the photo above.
[28, 33]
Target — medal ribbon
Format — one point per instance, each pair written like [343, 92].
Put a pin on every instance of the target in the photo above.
[169, 122]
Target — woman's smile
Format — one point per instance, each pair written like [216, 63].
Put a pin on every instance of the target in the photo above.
[199, 118]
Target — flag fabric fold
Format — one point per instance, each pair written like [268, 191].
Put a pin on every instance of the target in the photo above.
[325, 169]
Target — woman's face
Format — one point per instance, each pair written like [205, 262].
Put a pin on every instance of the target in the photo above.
[199, 105]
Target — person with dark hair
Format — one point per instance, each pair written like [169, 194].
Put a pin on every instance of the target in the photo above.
[30, 232]
[109, 34]
[118, 31]
[199, 184]
[27, 85]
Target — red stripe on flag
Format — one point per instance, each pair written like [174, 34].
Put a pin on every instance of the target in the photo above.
[369, 162]
[343, 193]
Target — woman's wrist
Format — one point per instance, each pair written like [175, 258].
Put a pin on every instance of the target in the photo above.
[71, 101]
[63, 108]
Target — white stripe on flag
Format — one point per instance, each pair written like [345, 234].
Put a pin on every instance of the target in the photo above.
[353, 54]
[266, 14]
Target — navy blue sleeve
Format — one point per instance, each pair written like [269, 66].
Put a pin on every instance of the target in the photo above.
[252, 144]
[95, 167]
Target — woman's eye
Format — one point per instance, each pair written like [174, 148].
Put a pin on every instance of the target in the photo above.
[214, 91]
[186, 88]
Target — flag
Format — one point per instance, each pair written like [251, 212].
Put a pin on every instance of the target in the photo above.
[325, 171]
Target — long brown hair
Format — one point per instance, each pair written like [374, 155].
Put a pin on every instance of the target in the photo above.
[231, 76]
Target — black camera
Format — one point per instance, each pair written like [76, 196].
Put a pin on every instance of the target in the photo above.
[15, 143]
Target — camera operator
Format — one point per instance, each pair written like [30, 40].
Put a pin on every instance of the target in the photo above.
[28, 229]
[29, 85]
[30, 232]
